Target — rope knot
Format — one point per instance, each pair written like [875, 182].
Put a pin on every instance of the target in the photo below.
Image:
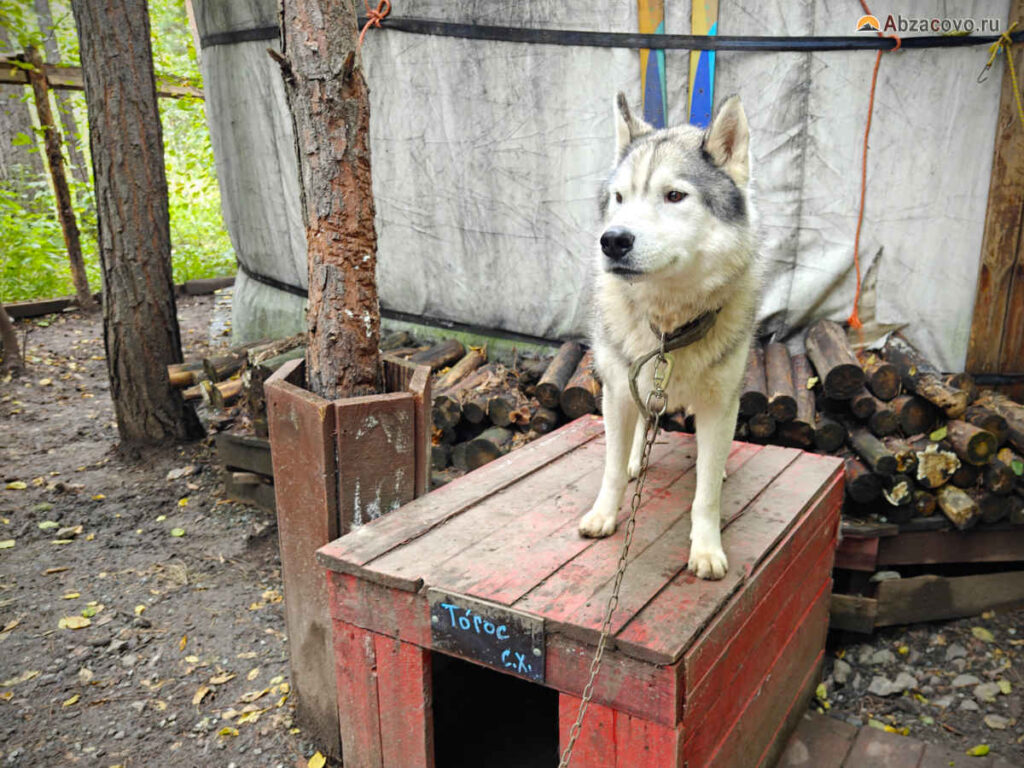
[374, 16]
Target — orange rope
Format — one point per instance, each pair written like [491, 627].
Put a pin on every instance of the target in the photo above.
[854, 319]
[374, 16]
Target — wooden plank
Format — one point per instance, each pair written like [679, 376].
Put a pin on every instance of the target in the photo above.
[710, 719]
[997, 328]
[875, 748]
[857, 554]
[374, 607]
[244, 452]
[867, 529]
[931, 597]
[976, 546]
[376, 456]
[639, 742]
[21, 309]
[765, 717]
[595, 747]
[260, 494]
[666, 627]
[350, 553]
[403, 376]
[572, 599]
[301, 428]
[553, 536]
[67, 78]
[853, 613]
[819, 742]
[355, 666]
[406, 713]
[205, 286]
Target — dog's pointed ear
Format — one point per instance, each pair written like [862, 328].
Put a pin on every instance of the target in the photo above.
[627, 127]
[728, 140]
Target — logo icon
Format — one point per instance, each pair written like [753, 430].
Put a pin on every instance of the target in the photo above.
[868, 24]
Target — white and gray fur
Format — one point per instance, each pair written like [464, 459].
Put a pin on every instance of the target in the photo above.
[681, 256]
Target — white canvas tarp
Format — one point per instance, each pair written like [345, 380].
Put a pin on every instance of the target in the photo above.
[487, 158]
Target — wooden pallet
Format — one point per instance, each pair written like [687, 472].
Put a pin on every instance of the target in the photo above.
[697, 673]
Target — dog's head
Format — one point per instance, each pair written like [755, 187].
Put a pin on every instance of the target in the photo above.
[675, 196]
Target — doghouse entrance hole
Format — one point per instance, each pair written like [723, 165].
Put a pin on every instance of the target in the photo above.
[486, 718]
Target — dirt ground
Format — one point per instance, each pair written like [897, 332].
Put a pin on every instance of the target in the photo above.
[184, 661]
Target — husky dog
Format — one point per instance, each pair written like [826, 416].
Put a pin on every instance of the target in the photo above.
[678, 249]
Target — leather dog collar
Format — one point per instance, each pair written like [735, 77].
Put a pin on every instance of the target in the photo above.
[688, 333]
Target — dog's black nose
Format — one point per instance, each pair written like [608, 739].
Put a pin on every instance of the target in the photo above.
[616, 243]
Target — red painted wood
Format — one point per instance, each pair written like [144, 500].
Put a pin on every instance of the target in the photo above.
[391, 612]
[790, 566]
[820, 742]
[571, 596]
[301, 429]
[595, 747]
[426, 513]
[857, 554]
[878, 749]
[669, 624]
[358, 703]
[756, 729]
[639, 742]
[406, 714]
[482, 569]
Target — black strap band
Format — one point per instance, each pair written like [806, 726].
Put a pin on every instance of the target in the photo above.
[273, 282]
[239, 36]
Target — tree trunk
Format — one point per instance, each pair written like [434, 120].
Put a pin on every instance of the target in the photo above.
[140, 322]
[330, 109]
[55, 160]
[65, 107]
[17, 159]
[9, 342]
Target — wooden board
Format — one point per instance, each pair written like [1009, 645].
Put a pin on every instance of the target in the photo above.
[403, 376]
[978, 545]
[301, 427]
[613, 739]
[931, 598]
[857, 554]
[244, 452]
[259, 494]
[358, 703]
[404, 683]
[853, 613]
[819, 742]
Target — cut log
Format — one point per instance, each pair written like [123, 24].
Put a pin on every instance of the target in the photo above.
[581, 392]
[935, 466]
[1015, 510]
[960, 508]
[544, 420]
[871, 450]
[840, 373]
[459, 459]
[904, 453]
[862, 404]
[469, 363]
[753, 390]
[999, 478]
[761, 426]
[989, 420]
[778, 372]
[395, 340]
[253, 379]
[1016, 464]
[440, 355]
[972, 444]
[966, 476]
[800, 431]
[924, 503]
[530, 371]
[965, 382]
[491, 444]
[862, 485]
[474, 407]
[898, 490]
[223, 367]
[221, 394]
[558, 373]
[882, 378]
[508, 407]
[261, 351]
[1010, 410]
[921, 377]
[184, 375]
[829, 434]
[447, 406]
[884, 420]
[914, 414]
[991, 508]
[440, 456]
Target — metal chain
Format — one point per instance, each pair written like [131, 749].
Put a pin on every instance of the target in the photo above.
[656, 404]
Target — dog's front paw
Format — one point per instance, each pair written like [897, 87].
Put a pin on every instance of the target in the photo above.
[708, 561]
[598, 523]
[633, 468]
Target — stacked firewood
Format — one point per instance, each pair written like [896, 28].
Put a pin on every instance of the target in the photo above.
[916, 442]
[482, 409]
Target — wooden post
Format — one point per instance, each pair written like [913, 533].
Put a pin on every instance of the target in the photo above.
[55, 160]
[12, 354]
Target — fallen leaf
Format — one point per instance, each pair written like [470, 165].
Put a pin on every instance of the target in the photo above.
[183, 502]
[903, 650]
[277, 680]
[7, 544]
[246, 655]
[982, 634]
[317, 761]
[74, 622]
[227, 731]
[98, 497]
[47, 525]
[221, 679]
[58, 569]
[24, 677]
[939, 434]
[183, 642]
[192, 659]
[140, 609]
[178, 532]
[253, 673]
[282, 700]
[39, 482]
[811, 382]
[71, 596]
[17, 485]
[250, 717]
[1004, 686]
[68, 702]
[85, 675]
[272, 596]
[45, 382]
[200, 694]
[7, 695]
[10, 625]
[978, 751]
[821, 692]
[252, 696]
[161, 518]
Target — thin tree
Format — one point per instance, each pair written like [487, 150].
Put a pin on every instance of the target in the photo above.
[19, 158]
[330, 109]
[140, 322]
[9, 343]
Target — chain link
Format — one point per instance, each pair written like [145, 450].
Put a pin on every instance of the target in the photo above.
[657, 403]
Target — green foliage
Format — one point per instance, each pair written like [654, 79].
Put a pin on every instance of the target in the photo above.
[33, 260]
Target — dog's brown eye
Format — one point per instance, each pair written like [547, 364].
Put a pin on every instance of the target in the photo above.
[618, 197]
[675, 196]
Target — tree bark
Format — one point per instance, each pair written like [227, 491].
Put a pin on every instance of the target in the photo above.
[65, 107]
[55, 160]
[9, 339]
[330, 109]
[140, 322]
